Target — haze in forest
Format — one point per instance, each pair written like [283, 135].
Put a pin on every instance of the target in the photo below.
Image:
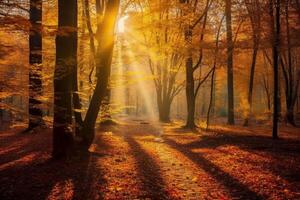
[168, 81]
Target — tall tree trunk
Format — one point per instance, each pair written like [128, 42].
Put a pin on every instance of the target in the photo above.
[291, 85]
[103, 63]
[190, 85]
[253, 8]
[76, 97]
[66, 64]
[106, 101]
[35, 68]
[276, 45]
[164, 108]
[191, 90]
[189, 73]
[230, 88]
[251, 81]
[212, 83]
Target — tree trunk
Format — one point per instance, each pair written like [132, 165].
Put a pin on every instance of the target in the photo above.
[105, 110]
[251, 81]
[103, 63]
[190, 98]
[35, 68]
[190, 85]
[76, 97]
[290, 83]
[276, 44]
[229, 63]
[212, 83]
[211, 96]
[164, 111]
[66, 55]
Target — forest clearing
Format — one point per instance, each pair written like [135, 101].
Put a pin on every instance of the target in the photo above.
[149, 99]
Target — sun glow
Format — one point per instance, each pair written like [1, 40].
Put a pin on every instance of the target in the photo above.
[121, 24]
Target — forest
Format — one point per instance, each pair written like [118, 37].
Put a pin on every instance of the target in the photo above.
[149, 99]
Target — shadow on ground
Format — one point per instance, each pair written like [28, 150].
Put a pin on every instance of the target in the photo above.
[23, 176]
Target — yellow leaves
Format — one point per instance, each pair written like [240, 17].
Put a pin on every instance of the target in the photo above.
[195, 179]
[93, 148]
[115, 188]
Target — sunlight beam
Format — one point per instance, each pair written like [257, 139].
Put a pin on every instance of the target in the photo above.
[121, 24]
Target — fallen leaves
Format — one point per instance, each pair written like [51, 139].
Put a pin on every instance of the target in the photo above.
[128, 162]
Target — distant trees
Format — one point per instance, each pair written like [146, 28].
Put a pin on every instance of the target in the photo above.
[35, 64]
[163, 38]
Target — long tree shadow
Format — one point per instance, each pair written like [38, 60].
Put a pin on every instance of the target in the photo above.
[46, 178]
[13, 147]
[148, 171]
[248, 142]
[237, 189]
[262, 146]
[49, 179]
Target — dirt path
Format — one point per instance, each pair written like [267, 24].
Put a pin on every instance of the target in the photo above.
[132, 161]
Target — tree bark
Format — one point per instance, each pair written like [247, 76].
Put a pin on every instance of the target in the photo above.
[251, 82]
[35, 68]
[276, 44]
[190, 85]
[104, 53]
[164, 108]
[253, 8]
[66, 64]
[228, 5]
[290, 84]
[190, 89]
[212, 83]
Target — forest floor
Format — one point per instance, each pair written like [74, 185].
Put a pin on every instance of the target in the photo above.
[143, 160]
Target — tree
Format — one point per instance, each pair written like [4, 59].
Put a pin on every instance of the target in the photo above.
[275, 18]
[212, 84]
[163, 39]
[253, 8]
[103, 57]
[65, 67]
[228, 5]
[190, 68]
[290, 72]
[35, 65]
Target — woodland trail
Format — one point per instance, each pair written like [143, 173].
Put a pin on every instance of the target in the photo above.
[144, 160]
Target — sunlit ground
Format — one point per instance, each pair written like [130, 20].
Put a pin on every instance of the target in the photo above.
[127, 163]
